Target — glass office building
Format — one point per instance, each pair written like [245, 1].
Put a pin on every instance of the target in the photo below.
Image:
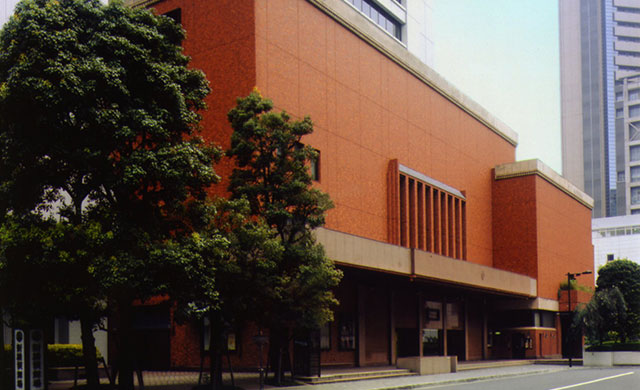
[600, 66]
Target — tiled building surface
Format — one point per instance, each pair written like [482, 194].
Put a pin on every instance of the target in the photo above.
[448, 246]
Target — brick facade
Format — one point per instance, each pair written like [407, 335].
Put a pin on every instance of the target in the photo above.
[379, 118]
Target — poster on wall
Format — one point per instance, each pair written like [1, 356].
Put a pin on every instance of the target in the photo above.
[347, 336]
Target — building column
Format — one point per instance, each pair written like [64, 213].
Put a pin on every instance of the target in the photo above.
[361, 351]
[466, 329]
[393, 353]
[485, 331]
[445, 348]
[420, 323]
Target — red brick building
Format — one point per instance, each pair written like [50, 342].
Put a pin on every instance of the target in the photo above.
[448, 246]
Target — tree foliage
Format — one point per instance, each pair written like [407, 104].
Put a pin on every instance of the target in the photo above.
[99, 153]
[624, 275]
[227, 285]
[272, 168]
[40, 260]
[603, 316]
[272, 174]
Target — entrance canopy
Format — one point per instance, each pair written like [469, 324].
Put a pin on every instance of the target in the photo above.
[364, 253]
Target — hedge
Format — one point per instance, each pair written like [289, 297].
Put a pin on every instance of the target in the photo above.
[614, 347]
[58, 355]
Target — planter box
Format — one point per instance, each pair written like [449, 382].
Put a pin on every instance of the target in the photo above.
[626, 358]
[428, 365]
[578, 297]
[609, 358]
[597, 359]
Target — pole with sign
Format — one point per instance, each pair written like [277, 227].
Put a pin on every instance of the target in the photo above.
[28, 357]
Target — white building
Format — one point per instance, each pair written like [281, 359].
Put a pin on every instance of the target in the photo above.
[616, 238]
[408, 21]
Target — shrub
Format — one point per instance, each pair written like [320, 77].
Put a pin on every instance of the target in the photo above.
[606, 347]
[574, 286]
[58, 355]
[7, 353]
[65, 355]
[604, 317]
[625, 275]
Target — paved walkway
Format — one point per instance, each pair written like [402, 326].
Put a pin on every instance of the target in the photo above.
[416, 382]
[249, 381]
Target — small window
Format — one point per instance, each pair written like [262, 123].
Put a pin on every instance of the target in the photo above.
[635, 174]
[619, 112]
[634, 153]
[634, 131]
[206, 334]
[634, 94]
[379, 16]
[610, 257]
[325, 337]
[547, 319]
[619, 96]
[635, 195]
[232, 345]
[634, 111]
[232, 339]
[314, 167]
[347, 333]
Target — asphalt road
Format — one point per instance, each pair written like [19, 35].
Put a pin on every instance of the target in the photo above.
[579, 378]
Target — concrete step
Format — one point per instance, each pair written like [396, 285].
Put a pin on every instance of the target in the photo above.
[493, 364]
[355, 376]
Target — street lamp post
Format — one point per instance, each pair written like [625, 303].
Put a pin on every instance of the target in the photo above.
[570, 277]
[261, 340]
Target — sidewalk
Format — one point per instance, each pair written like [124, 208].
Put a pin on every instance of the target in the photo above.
[249, 381]
[415, 382]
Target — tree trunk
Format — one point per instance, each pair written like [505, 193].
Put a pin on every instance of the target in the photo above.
[89, 353]
[279, 340]
[3, 363]
[216, 343]
[125, 348]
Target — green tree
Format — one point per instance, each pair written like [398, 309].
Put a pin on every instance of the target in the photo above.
[43, 273]
[240, 274]
[625, 275]
[98, 130]
[605, 313]
[272, 174]
[37, 260]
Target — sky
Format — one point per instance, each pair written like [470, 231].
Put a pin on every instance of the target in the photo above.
[6, 9]
[504, 55]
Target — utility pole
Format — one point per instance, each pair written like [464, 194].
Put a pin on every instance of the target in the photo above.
[570, 277]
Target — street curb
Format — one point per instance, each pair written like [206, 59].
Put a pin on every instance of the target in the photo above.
[465, 380]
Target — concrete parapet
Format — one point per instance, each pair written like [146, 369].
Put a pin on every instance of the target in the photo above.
[428, 365]
[609, 358]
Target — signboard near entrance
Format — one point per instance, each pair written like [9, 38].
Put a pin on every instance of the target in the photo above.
[28, 357]
[18, 359]
[36, 359]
